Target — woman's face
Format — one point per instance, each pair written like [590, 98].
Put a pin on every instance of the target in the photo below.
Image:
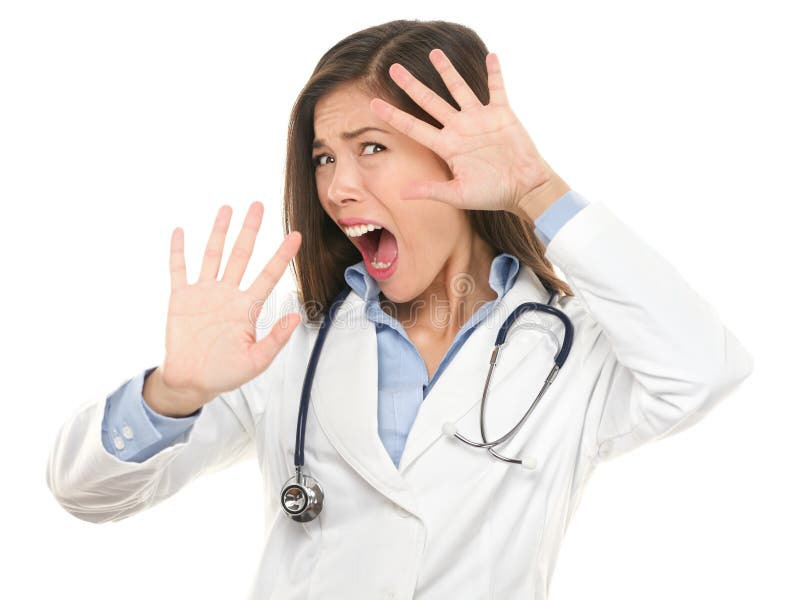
[361, 179]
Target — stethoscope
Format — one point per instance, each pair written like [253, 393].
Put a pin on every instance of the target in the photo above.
[302, 496]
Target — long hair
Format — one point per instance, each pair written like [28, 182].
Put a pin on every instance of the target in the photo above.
[364, 58]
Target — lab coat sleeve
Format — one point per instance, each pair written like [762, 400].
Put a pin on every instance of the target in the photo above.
[132, 430]
[558, 214]
[658, 354]
[95, 485]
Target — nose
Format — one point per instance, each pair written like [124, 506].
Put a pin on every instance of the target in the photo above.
[345, 184]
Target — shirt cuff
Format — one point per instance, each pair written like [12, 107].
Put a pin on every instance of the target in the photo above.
[133, 431]
[557, 214]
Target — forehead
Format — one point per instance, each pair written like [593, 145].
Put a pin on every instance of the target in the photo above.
[344, 108]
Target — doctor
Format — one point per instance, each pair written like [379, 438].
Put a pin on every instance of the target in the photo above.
[406, 126]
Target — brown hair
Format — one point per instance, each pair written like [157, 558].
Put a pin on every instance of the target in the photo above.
[364, 58]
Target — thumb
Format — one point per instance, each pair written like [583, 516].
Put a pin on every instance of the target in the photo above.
[264, 351]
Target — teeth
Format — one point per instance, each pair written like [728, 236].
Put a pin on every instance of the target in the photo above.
[379, 265]
[359, 230]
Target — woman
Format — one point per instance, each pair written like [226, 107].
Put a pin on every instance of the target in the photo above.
[407, 126]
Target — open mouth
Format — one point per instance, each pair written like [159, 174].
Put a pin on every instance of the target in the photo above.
[379, 249]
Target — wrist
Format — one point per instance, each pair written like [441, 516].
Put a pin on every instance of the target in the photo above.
[535, 202]
[170, 402]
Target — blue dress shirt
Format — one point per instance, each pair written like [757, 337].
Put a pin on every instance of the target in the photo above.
[132, 431]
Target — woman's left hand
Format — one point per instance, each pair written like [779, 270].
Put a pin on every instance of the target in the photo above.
[494, 162]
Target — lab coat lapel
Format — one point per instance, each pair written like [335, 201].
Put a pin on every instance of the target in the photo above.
[344, 398]
[460, 386]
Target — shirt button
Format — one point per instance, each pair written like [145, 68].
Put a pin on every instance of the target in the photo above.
[401, 512]
[127, 432]
[606, 449]
[119, 443]
[391, 596]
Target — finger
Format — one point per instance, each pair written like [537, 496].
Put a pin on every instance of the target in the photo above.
[462, 93]
[497, 89]
[442, 191]
[177, 263]
[418, 130]
[215, 246]
[243, 248]
[271, 274]
[433, 103]
[265, 350]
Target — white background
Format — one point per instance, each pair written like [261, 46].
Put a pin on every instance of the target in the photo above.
[120, 121]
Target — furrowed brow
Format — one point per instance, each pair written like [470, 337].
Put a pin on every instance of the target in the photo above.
[349, 135]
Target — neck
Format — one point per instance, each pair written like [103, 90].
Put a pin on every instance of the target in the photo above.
[457, 291]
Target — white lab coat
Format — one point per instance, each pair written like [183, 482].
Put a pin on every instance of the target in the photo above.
[649, 358]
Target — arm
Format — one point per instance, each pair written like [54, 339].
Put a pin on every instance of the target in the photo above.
[133, 431]
[94, 484]
[217, 359]
[662, 355]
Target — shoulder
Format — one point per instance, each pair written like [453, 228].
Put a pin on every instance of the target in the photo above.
[588, 336]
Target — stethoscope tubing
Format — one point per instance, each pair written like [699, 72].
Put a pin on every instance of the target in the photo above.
[300, 435]
[500, 340]
[560, 358]
[302, 495]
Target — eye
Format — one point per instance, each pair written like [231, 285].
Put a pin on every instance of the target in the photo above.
[376, 144]
[317, 160]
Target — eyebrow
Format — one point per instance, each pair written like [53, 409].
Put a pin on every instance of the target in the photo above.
[348, 135]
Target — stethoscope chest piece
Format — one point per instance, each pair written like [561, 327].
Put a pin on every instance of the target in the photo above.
[301, 497]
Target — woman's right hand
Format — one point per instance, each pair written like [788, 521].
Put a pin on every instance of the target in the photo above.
[211, 342]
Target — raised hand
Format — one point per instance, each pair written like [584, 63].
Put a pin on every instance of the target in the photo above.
[211, 342]
[495, 164]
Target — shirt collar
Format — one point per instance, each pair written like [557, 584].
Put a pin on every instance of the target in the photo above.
[502, 275]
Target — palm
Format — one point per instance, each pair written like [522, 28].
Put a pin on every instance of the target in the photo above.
[211, 344]
[493, 159]
[484, 148]
[209, 337]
